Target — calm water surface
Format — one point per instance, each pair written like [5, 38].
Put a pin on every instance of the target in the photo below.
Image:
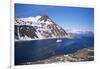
[28, 51]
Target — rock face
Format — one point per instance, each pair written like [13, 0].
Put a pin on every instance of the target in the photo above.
[38, 27]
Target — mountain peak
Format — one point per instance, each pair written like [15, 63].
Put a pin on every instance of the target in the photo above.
[44, 17]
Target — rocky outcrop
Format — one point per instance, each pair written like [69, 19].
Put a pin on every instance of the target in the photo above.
[86, 54]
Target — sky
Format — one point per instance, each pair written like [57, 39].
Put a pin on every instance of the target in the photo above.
[69, 18]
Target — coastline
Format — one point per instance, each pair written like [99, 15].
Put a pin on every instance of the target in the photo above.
[43, 39]
[82, 55]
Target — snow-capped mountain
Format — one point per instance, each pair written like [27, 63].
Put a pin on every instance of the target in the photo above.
[37, 27]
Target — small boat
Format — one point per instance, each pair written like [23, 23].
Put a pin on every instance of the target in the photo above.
[59, 40]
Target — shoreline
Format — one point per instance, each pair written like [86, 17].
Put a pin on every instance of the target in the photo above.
[82, 55]
[43, 39]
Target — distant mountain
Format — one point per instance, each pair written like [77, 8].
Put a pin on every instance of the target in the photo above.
[80, 34]
[38, 27]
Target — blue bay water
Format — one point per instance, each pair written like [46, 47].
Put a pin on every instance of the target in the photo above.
[29, 51]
